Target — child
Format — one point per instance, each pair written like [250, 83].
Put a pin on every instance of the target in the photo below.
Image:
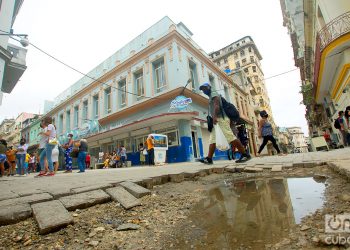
[26, 163]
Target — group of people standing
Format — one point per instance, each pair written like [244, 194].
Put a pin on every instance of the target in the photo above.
[342, 123]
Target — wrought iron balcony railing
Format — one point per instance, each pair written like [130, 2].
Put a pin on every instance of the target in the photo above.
[334, 29]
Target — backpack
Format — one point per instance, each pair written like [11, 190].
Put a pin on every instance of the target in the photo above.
[230, 110]
[337, 124]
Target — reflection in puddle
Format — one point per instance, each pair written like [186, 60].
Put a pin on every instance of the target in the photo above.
[252, 213]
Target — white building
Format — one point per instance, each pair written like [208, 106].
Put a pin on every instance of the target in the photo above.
[298, 140]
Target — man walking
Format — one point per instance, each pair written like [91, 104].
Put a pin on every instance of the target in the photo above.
[219, 117]
[343, 127]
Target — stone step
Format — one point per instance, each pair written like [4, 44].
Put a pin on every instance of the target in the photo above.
[122, 196]
[276, 168]
[51, 216]
[31, 199]
[15, 213]
[91, 188]
[252, 170]
[177, 177]
[219, 170]
[84, 200]
[135, 189]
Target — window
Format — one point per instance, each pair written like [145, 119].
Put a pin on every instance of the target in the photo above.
[140, 89]
[108, 101]
[68, 121]
[243, 41]
[225, 60]
[246, 70]
[85, 110]
[242, 52]
[237, 44]
[251, 58]
[231, 48]
[254, 69]
[60, 124]
[259, 90]
[95, 107]
[261, 101]
[193, 75]
[76, 116]
[126, 143]
[122, 92]
[139, 140]
[256, 78]
[244, 61]
[172, 133]
[238, 65]
[249, 49]
[159, 75]
[235, 55]
[218, 63]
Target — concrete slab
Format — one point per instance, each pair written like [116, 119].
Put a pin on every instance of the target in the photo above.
[177, 177]
[218, 170]
[91, 188]
[147, 183]
[309, 164]
[51, 216]
[135, 189]
[252, 170]
[276, 168]
[157, 180]
[84, 200]
[14, 214]
[122, 196]
[5, 195]
[231, 169]
[189, 175]
[58, 193]
[31, 199]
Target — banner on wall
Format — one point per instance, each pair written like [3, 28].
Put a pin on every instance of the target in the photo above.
[180, 103]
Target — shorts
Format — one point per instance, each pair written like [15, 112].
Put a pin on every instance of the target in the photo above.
[224, 124]
[2, 158]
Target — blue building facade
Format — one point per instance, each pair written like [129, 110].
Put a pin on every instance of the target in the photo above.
[134, 92]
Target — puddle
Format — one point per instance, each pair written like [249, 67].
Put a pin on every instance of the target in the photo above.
[251, 212]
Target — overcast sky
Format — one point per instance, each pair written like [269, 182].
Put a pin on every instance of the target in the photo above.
[83, 33]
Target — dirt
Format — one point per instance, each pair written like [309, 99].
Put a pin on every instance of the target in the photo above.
[167, 220]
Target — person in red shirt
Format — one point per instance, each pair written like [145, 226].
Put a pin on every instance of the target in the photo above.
[87, 161]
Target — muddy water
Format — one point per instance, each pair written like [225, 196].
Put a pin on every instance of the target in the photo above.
[250, 213]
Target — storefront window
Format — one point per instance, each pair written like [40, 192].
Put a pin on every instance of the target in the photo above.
[172, 133]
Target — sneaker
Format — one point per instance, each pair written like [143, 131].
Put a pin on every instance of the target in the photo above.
[206, 160]
[50, 174]
[244, 158]
[41, 174]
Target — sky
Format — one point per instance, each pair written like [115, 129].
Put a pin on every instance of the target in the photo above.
[83, 33]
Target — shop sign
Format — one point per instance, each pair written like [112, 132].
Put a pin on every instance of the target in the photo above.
[180, 102]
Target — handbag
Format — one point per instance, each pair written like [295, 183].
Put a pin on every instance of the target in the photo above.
[53, 141]
[144, 152]
[221, 141]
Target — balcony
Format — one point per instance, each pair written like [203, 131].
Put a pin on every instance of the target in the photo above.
[333, 30]
[332, 53]
[14, 67]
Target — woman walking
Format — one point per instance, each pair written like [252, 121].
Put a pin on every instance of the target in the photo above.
[265, 131]
[21, 156]
[83, 148]
[68, 150]
[51, 142]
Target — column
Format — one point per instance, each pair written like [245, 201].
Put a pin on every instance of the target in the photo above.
[185, 138]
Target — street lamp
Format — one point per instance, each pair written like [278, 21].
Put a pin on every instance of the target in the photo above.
[23, 37]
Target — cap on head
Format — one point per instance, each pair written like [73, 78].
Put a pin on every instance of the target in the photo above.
[263, 113]
[206, 84]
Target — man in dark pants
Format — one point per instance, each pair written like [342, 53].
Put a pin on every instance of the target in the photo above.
[150, 150]
[224, 123]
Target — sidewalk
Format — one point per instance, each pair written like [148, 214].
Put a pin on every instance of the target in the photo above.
[18, 194]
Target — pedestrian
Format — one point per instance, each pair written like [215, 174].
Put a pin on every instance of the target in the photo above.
[3, 148]
[42, 144]
[217, 116]
[150, 149]
[87, 161]
[347, 120]
[55, 157]
[342, 126]
[123, 155]
[83, 149]
[11, 158]
[31, 167]
[143, 153]
[266, 132]
[26, 164]
[21, 156]
[50, 143]
[67, 153]
[100, 156]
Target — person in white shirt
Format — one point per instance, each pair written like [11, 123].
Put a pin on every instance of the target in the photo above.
[21, 156]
